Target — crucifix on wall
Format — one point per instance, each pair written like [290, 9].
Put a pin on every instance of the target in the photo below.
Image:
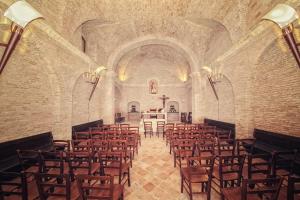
[164, 98]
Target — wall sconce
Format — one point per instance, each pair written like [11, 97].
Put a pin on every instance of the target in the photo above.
[94, 78]
[284, 16]
[21, 14]
[211, 81]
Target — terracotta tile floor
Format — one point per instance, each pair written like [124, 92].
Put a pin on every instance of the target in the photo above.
[154, 176]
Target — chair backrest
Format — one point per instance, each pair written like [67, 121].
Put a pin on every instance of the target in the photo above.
[95, 187]
[80, 161]
[202, 166]
[83, 135]
[29, 158]
[111, 160]
[147, 125]
[230, 170]
[226, 147]
[13, 184]
[268, 188]
[81, 145]
[284, 161]
[292, 189]
[53, 185]
[206, 146]
[259, 165]
[51, 162]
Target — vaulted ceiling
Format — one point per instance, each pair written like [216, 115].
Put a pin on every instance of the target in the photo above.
[207, 28]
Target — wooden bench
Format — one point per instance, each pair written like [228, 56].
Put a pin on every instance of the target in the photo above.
[221, 125]
[8, 155]
[272, 143]
[85, 126]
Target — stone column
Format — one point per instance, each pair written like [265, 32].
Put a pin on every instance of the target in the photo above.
[108, 104]
[197, 97]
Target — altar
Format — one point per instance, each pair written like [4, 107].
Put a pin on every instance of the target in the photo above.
[153, 117]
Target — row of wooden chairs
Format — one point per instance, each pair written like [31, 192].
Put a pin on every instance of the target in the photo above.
[229, 157]
[60, 186]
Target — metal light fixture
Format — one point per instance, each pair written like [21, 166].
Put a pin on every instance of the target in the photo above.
[211, 81]
[284, 16]
[20, 13]
[94, 77]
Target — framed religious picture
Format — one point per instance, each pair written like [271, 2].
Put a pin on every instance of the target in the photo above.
[153, 86]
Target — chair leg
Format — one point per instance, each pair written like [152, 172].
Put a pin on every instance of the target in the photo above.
[191, 191]
[128, 182]
[181, 185]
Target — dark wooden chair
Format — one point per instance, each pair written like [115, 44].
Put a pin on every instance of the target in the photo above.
[254, 190]
[198, 171]
[228, 173]
[183, 149]
[226, 147]
[82, 163]
[293, 189]
[53, 162]
[99, 187]
[121, 146]
[81, 145]
[259, 166]
[30, 162]
[283, 162]
[13, 185]
[55, 186]
[112, 164]
[148, 128]
[83, 135]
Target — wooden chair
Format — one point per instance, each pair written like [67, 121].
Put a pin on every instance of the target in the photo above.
[82, 163]
[268, 188]
[99, 187]
[53, 162]
[259, 166]
[112, 163]
[81, 145]
[13, 185]
[283, 162]
[228, 173]
[83, 135]
[198, 171]
[160, 128]
[121, 146]
[293, 189]
[29, 161]
[148, 128]
[55, 186]
[206, 147]
[226, 147]
[183, 149]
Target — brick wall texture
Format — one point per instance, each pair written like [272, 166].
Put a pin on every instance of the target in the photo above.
[42, 87]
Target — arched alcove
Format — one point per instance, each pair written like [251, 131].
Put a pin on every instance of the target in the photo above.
[223, 108]
[133, 107]
[173, 107]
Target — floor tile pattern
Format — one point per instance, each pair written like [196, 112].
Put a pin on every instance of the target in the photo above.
[154, 176]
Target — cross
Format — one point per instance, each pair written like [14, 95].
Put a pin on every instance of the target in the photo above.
[164, 98]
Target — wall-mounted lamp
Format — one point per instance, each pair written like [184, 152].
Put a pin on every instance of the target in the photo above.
[284, 16]
[94, 78]
[211, 81]
[21, 14]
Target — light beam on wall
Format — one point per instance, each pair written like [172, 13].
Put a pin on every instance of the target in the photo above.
[21, 14]
[284, 16]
